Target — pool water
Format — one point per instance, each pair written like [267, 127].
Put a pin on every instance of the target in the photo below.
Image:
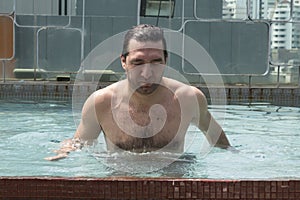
[266, 136]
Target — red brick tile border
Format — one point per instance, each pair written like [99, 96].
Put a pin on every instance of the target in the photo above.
[145, 188]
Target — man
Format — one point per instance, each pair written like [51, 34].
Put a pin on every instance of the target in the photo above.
[146, 111]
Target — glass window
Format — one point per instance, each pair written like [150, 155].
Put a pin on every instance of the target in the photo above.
[155, 8]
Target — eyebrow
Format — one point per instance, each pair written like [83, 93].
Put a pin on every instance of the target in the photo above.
[157, 60]
[137, 60]
[142, 60]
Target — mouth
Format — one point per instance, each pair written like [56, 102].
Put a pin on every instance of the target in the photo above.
[147, 88]
[146, 85]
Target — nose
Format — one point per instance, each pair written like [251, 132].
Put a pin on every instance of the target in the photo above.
[146, 72]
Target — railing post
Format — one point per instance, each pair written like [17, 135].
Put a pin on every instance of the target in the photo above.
[278, 75]
[250, 80]
[299, 76]
[3, 70]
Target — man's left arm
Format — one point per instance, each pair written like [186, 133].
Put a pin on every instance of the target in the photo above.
[209, 126]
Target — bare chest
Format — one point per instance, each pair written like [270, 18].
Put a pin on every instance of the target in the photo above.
[146, 129]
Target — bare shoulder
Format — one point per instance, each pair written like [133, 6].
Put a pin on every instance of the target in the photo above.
[99, 99]
[103, 96]
[182, 89]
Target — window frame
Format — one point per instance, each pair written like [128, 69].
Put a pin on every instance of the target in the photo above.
[143, 9]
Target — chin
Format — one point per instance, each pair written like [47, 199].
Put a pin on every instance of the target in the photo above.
[147, 89]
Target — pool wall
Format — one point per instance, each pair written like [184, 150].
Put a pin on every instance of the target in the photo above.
[145, 188]
[283, 96]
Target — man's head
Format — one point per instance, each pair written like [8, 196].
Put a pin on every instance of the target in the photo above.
[144, 57]
[144, 33]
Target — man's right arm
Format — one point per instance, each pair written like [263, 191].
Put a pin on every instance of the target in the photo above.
[86, 133]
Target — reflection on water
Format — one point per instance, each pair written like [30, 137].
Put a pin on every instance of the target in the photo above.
[266, 136]
[154, 164]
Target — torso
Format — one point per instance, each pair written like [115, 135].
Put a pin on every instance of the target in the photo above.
[140, 135]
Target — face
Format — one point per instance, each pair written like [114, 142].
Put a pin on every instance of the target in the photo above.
[144, 65]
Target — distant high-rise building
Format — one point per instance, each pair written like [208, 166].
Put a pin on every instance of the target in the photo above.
[284, 33]
[233, 9]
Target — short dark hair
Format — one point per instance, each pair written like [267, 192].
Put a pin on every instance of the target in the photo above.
[144, 33]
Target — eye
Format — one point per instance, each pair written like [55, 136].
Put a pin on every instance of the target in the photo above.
[157, 62]
[137, 62]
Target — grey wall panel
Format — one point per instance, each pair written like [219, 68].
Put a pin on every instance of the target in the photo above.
[6, 6]
[41, 21]
[24, 49]
[208, 9]
[108, 7]
[38, 7]
[219, 43]
[59, 49]
[123, 24]
[101, 29]
[236, 47]
[250, 47]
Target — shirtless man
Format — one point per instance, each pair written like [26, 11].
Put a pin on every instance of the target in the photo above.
[146, 111]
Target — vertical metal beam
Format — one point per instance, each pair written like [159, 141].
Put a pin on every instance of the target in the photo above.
[66, 7]
[260, 9]
[59, 7]
[159, 8]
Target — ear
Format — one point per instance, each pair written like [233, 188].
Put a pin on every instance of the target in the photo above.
[166, 59]
[123, 62]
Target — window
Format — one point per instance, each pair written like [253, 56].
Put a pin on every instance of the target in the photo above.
[157, 8]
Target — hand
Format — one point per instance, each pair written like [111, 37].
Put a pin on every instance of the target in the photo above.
[57, 157]
[67, 146]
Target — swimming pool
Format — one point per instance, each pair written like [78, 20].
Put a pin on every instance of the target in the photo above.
[266, 136]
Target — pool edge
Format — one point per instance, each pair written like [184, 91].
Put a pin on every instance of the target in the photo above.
[145, 188]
